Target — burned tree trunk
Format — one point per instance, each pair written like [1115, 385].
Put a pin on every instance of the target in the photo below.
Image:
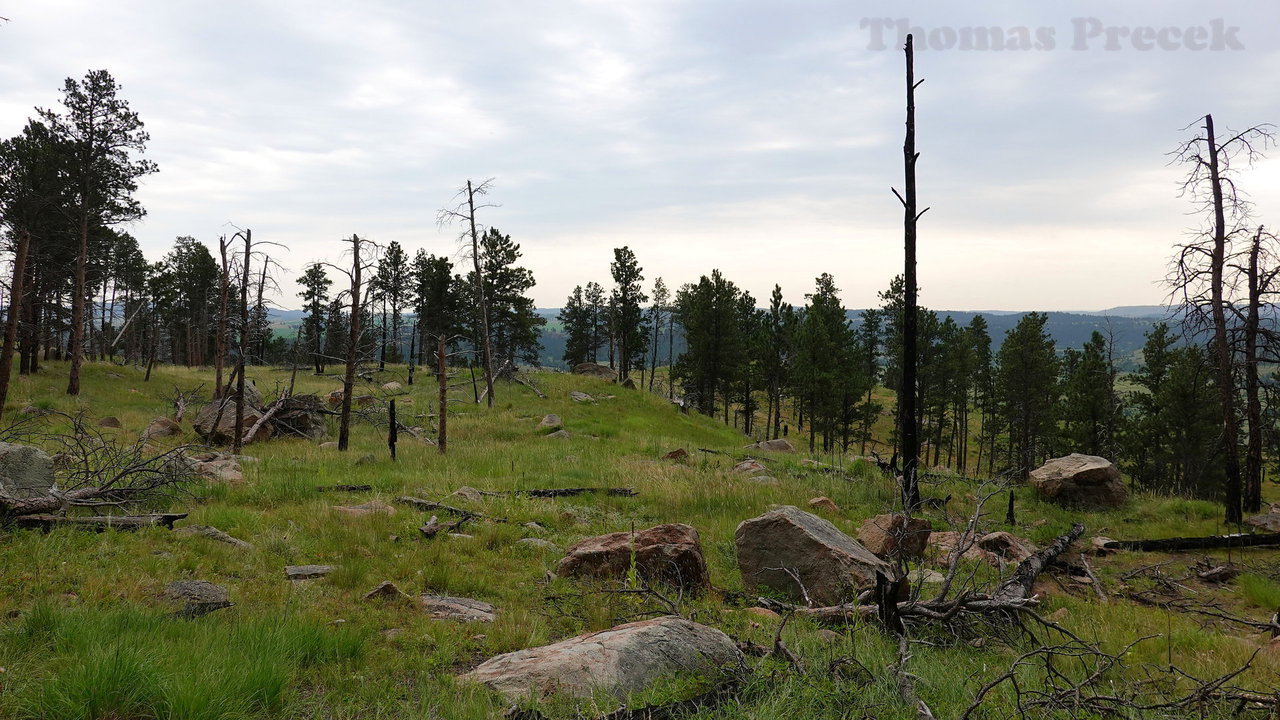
[15, 310]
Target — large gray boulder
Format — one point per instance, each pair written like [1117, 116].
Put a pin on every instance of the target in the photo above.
[25, 471]
[596, 370]
[620, 661]
[788, 544]
[221, 429]
[1077, 479]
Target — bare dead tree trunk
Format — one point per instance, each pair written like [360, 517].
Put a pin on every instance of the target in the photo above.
[907, 416]
[244, 341]
[353, 342]
[220, 353]
[77, 302]
[1253, 453]
[1221, 351]
[15, 310]
[442, 380]
[482, 305]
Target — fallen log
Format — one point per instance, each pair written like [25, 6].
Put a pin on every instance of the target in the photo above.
[1211, 542]
[343, 488]
[98, 523]
[569, 492]
[427, 505]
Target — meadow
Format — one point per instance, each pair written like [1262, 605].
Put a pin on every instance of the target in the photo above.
[85, 631]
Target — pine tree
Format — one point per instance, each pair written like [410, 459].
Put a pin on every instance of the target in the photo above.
[575, 318]
[315, 302]
[514, 326]
[629, 330]
[594, 298]
[1027, 387]
[1089, 397]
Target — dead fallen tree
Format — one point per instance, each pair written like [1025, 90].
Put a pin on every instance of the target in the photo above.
[1211, 542]
[567, 492]
[98, 523]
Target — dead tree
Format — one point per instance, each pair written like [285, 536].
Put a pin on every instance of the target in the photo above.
[907, 420]
[464, 211]
[220, 342]
[21, 247]
[1261, 271]
[361, 261]
[1198, 278]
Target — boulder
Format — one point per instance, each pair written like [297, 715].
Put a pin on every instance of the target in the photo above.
[550, 421]
[25, 471]
[198, 597]
[220, 468]
[444, 607]
[1269, 522]
[620, 661]
[826, 504]
[947, 541]
[670, 554]
[220, 429]
[778, 445]
[162, 427]
[831, 565]
[110, 421]
[1080, 480]
[1009, 547]
[252, 396]
[301, 415]
[892, 535]
[596, 370]
[468, 493]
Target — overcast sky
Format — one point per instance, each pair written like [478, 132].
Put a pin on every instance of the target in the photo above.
[758, 138]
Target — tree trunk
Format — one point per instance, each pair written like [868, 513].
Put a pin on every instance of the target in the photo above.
[907, 394]
[220, 351]
[482, 306]
[244, 342]
[77, 301]
[442, 379]
[353, 341]
[1253, 454]
[15, 310]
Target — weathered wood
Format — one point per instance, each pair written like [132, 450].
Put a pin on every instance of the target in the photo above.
[98, 523]
[1211, 542]
[427, 505]
[1018, 586]
[569, 492]
[343, 488]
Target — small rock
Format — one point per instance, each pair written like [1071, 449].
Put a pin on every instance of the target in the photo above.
[373, 507]
[110, 421]
[1057, 615]
[366, 459]
[559, 434]
[830, 636]
[778, 445]
[1008, 546]
[533, 526]
[306, 572]
[392, 633]
[391, 386]
[329, 445]
[212, 533]
[538, 543]
[629, 384]
[604, 372]
[671, 554]
[162, 427]
[461, 536]
[199, 597]
[924, 576]
[893, 534]
[763, 479]
[677, 454]
[386, 590]
[825, 504]
[579, 396]
[748, 466]
[551, 421]
[467, 493]
[444, 607]
[1099, 545]
[760, 612]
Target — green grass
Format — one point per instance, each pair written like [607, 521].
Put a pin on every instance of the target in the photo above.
[86, 633]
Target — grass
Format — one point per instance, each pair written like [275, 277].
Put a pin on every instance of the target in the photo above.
[86, 633]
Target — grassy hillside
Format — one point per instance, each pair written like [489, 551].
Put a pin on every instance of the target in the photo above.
[86, 633]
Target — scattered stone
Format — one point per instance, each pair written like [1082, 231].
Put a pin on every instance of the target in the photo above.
[25, 471]
[1058, 615]
[110, 421]
[221, 429]
[825, 504]
[671, 554]
[373, 507]
[444, 607]
[777, 445]
[335, 398]
[364, 401]
[1010, 547]
[604, 372]
[538, 543]
[531, 525]
[892, 535]
[329, 445]
[748, 466]
[162, 427]
[579, 396]
[391, 386]
[827, 565]
[307, 572]
[620, 661]
[392, 633]
[461, 536]
[198, 596]
[1080, 480]
[366, 459]
[947, 541]
[629, 383]
[1269, 522]
[386, 590]
[550, 421]
[760, 612]
[467, 493]
[218, 467]
[213, 533]
[830, 636]
[677, 454]
[559, 434]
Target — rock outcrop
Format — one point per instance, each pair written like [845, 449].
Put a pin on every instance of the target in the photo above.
[786, 548]
[669, 554]
[596, 370]
[25, 471]
[1080, 480]
[621, 660]
[216, 422]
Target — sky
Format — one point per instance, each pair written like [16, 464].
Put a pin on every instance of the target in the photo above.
[759, 138]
